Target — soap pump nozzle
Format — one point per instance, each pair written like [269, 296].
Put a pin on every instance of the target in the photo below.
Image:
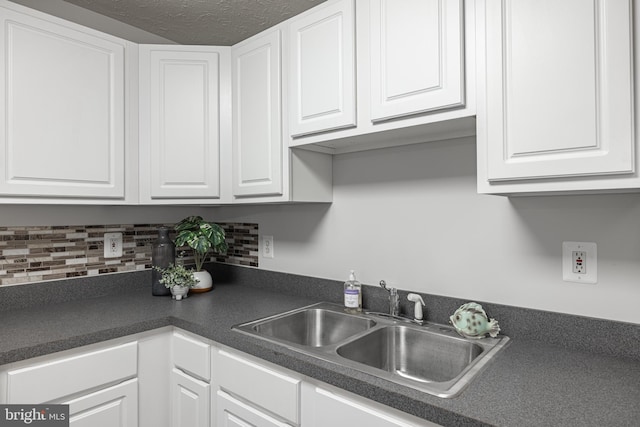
[418, 306]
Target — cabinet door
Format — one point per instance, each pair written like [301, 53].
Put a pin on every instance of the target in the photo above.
[559, 89]
[62, 111]
[262, 385]
[322, 69]
[257, 118]
[190, 405]
[58, 377]
[416, 56]
[324, 408]
[115, 406]
[179, 122]
[234, 413]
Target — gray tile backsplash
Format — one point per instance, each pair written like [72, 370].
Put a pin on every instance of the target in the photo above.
[40, 253]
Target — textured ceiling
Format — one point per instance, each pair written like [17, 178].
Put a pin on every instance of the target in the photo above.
[211, 22]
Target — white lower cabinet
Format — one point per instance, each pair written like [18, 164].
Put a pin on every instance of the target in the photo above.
[172, 378]
[325, 407]
[57, 378]
[190, 401]
[253, 390]
[232, 412]
[190, 389]
[99, 385]
[115, 406]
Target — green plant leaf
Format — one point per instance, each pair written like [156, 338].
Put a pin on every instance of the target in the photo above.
[201, 236]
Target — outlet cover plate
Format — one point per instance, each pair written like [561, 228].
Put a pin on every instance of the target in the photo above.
[267, 246]
[590, 264]
[112, 245]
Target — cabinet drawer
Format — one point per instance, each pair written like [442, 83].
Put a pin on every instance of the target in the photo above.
[232, 412]
[192, 356]
[62, 377]
[259, 385]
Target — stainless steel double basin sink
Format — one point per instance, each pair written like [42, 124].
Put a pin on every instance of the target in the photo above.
[431, 357]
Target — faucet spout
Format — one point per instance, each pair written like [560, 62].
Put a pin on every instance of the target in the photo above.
[394, 302]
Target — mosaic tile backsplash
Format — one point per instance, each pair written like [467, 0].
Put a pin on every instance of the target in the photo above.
[39, 253]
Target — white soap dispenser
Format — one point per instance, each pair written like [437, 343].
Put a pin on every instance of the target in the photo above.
[417, 314]
[352, 294]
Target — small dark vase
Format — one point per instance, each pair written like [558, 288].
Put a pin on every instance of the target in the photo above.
[163, 253]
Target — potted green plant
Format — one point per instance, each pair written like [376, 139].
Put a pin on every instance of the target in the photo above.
[178, 279]
[203, 237]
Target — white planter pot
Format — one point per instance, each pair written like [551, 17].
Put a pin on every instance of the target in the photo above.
[179, 292]
[205, 282]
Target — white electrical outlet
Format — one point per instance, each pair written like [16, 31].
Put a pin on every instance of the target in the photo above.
[580, 262]
[267, 246]
[112, 245]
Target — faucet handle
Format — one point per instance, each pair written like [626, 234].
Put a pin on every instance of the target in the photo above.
[392, 291]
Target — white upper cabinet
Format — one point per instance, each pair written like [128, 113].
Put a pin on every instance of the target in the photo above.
[555, 96]
[417, 62]
[62, 115]
[322, 69]
[182, 106]
[264, 169]
[414, 79]
[257, 117]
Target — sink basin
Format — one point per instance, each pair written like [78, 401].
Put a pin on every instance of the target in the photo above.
[431, 358]
[412, 353]
[313, 327]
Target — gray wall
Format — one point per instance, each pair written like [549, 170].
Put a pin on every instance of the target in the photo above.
[411, 215]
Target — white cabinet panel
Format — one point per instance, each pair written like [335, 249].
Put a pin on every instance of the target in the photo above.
[62, 117]
[190, 401]
[322, 69]
[416, 56]
[191, 355]
[325, 408]
[234, 413]
[256, 383]
[415, 77]
[180, 129]
[116, 406]
[57, 378]
[154, 379]
[558, 90]
[257, 117]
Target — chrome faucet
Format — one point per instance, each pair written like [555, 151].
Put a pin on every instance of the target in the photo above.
[394, 302]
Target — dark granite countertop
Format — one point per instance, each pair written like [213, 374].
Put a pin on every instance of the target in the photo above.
[530, 383]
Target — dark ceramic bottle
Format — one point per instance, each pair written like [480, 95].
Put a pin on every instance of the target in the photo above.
[163, 253]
